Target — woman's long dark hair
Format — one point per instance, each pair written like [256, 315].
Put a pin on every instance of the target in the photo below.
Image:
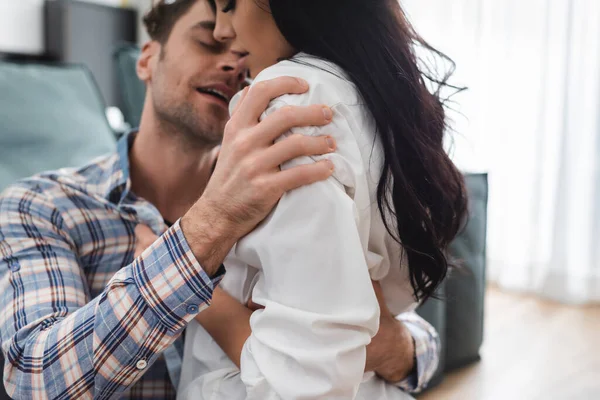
[420, 187]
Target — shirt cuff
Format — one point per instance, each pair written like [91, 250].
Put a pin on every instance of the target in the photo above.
[427, 359]
[172, 281]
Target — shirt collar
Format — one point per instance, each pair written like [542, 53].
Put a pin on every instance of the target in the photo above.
[120, 182]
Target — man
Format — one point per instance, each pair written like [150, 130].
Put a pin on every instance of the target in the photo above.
[80, 317]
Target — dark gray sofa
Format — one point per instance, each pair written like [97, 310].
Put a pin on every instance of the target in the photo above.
[458, 314]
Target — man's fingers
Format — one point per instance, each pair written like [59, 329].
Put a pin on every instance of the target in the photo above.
[289, 117]
[260, 95]
[297, 145]
[303, 175]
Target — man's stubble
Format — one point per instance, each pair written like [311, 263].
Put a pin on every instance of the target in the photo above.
[179, 118]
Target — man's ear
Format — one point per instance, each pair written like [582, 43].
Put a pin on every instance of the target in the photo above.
[145, 64]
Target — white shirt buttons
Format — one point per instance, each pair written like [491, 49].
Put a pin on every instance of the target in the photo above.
[142, 364]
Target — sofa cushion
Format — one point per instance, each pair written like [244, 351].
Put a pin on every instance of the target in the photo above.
[465, 288]
[50, 117]
[457, 312]
[434, 312]
[133, 90]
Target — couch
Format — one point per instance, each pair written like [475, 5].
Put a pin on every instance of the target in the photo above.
[51, 116]
[458, 311]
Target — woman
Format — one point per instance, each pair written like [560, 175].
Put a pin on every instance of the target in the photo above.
[394, 204]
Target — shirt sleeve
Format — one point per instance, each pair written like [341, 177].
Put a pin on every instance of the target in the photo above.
[427, 352]
[320, 308]
[60, 343]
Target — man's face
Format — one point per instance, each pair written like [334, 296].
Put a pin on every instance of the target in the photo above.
[192, 77]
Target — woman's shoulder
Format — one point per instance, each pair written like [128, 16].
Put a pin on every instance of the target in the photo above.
[328, 83]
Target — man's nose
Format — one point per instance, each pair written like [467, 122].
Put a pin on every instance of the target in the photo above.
[236, 64]
[232, 64]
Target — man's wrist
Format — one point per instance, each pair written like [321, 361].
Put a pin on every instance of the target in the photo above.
[399, 362]
[209, 236]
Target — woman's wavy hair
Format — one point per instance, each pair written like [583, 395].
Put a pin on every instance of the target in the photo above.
[421, 193]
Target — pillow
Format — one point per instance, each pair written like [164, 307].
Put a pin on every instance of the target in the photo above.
[133, 91]
[465, 289]
[50, 117]
[434, 312]
[457, 313]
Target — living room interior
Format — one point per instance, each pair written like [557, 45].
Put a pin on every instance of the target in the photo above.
[520, 318]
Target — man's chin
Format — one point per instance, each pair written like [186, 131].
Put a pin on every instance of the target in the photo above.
[216, 118]
[201, 124]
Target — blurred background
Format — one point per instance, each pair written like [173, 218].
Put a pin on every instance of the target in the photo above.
[522, 320]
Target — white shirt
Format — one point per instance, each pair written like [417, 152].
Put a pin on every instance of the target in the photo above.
[310, 263]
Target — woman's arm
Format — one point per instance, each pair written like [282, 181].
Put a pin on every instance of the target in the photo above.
[391, 353]
[320, 308]
[228, 322]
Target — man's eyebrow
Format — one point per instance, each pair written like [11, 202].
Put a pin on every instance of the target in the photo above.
[208, 25]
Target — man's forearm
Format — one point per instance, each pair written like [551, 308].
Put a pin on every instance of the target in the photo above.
[210, 236]
[96, 341]
[405, 352]
[427, 352]
[87, 363]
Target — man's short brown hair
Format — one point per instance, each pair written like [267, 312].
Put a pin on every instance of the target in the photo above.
[159, 21]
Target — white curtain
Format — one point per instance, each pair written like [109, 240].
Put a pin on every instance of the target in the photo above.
[531, 118]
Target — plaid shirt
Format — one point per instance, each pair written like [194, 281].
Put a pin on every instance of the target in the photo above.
[79, 317]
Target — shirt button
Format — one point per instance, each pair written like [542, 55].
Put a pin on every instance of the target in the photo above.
[192, 309]
[142, 364]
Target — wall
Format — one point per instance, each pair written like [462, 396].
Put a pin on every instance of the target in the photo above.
[21, 26]
[142, 6]
[21, 23]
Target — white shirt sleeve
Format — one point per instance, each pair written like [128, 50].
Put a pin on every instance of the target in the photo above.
[320, 309]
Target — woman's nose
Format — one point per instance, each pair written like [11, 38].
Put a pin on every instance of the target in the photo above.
[223, 30]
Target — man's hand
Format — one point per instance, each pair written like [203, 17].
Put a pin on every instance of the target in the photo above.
[391, 352]
[247, 181]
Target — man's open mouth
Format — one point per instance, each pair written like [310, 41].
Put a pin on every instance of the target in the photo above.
[215, 93]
